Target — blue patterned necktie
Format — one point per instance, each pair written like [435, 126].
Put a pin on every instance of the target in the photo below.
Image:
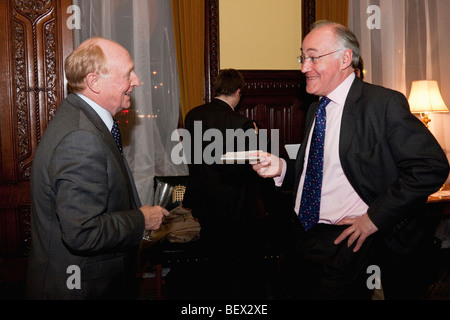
[116, 135]
[312, 187]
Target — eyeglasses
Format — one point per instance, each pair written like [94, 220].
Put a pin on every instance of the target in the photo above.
[302, 59]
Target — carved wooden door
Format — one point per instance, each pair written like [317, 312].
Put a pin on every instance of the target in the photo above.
[34, 41]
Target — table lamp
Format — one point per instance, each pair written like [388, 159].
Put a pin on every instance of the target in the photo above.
[424, 98]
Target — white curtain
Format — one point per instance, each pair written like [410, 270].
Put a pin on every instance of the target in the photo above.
[406, 40]
[145, 29]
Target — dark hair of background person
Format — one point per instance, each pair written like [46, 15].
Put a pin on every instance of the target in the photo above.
[228, 82]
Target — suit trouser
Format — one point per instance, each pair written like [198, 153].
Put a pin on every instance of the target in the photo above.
[323, 270]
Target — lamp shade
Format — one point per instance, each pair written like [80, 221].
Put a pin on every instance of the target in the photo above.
[426, 97]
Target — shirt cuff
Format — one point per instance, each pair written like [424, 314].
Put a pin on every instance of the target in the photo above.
[279, 180]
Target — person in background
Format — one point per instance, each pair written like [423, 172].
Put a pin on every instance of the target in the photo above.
[228, 199]
[87, 220]
[375, 170]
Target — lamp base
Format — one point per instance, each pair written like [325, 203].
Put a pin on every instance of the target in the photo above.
[425, 119]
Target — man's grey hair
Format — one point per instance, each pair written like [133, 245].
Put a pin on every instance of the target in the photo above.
[345, 37]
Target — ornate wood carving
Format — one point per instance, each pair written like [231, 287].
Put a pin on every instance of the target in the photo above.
[33, 8]
[34, 41]
[35, 71]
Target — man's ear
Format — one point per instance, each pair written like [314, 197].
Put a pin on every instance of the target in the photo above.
[347, 58]
[92, 82]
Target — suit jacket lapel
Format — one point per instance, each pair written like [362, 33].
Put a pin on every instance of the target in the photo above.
[310, 116]
[349, 115]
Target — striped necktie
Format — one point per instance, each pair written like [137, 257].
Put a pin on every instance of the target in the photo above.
[312, 187]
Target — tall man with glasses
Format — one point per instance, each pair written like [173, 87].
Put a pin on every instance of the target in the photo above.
[371, 169]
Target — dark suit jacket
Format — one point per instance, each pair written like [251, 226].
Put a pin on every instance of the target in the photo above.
[84, 210]
[223, 196]
[388, 155]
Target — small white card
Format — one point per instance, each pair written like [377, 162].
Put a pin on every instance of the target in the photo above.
[243, 156]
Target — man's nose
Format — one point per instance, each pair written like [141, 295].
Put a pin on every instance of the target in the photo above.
[306, 66]
[135, 80]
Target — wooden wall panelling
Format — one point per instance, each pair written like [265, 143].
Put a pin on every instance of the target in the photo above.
[34, 41]
[276, 99]
[309, 15]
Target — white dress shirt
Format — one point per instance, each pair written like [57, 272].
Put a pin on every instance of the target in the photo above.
[339, 199]
[103, 113]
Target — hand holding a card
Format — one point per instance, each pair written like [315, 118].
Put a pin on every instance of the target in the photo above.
[269, 165]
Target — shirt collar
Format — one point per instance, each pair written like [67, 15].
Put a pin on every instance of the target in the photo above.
[104, 114]
[339, 95]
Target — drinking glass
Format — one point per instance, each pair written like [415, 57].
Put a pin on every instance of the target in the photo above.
[163, 193]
